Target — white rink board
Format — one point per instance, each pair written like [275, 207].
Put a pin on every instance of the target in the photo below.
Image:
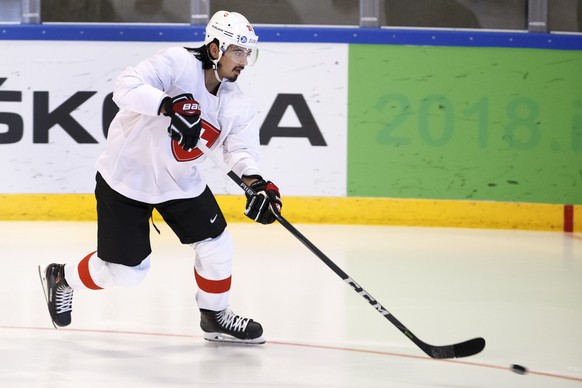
[63, 68]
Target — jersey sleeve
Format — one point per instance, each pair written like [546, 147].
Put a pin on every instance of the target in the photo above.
[241, 147]
[141, 88]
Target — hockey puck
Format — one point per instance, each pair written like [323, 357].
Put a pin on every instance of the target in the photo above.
[520, 370]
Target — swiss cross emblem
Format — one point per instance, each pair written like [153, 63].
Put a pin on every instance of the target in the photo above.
[209, 134]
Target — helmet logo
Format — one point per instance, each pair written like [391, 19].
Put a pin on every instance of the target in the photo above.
[230, 28]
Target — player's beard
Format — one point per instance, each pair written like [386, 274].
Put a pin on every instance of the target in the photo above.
[233, 77]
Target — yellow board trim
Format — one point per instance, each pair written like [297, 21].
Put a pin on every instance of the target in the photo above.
[578, 218]
[327, 210]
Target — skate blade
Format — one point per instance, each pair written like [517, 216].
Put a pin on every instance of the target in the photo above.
[42, 276]
[225, 338]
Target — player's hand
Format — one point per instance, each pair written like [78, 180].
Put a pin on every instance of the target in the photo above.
[186, 124]
[260, 207]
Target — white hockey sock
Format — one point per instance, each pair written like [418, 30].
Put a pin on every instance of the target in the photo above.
[213, 271]
[93, 273]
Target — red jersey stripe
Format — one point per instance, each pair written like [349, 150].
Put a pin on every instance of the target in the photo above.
[85, 275]
[212, 286]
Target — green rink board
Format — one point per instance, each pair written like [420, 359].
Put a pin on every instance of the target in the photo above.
[460, 123]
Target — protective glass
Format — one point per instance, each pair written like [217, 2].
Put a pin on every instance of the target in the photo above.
[241, 55]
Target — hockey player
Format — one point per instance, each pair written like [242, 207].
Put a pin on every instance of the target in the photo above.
[190, 95]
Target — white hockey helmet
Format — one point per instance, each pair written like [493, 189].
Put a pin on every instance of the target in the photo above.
[232, 28]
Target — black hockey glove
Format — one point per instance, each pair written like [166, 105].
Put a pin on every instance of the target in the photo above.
[259, 206]
[186, 124]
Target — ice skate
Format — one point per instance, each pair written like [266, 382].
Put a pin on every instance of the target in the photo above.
[226, 326]
[58, 294]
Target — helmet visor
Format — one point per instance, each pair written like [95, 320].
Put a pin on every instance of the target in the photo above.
[241, 55]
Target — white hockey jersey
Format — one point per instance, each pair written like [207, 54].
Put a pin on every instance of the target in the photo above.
[140, 160]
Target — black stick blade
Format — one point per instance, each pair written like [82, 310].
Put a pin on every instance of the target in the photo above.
[463, 349]
[469, 348]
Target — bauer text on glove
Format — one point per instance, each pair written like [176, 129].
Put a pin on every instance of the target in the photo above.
[185, 125]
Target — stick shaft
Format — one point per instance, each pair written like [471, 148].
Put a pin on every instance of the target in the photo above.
[314, 249]
[447, 351]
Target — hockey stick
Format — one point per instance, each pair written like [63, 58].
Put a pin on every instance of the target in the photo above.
[462, 349]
